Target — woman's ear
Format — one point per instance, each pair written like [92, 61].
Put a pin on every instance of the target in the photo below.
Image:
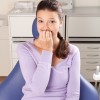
[61, 23]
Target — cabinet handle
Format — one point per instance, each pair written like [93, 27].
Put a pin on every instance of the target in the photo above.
[91, 69]
[93, 47]
[92, 62]
[18, 41]
[92, 55]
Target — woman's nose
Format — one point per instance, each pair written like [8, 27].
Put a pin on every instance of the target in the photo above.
[46, 26]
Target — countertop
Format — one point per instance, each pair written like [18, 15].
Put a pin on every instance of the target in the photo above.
[83, 11]
[76, 11]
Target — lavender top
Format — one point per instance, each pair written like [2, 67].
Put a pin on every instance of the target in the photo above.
[46, 82]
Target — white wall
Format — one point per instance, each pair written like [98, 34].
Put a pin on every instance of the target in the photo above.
[6, 5]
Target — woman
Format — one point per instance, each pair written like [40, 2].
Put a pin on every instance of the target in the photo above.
[49, 64]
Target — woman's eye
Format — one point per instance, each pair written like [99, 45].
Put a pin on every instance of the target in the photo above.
[52, 21]
[40, 21]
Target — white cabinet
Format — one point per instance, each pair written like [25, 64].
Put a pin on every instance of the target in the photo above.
[20, 30]
[21, 26]
[83, 30]
[90, 58]
[14, 53]
[83, 26]
[5, 66]
[83, 22]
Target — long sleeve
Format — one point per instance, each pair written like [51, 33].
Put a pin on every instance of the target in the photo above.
[73, 86]
[36, 75]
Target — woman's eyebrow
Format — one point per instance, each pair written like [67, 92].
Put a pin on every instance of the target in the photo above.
[39, 17]
[49, 18]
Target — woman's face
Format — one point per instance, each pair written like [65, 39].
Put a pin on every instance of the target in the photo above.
[48, 20]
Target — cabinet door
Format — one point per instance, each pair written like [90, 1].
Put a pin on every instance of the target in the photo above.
[88, 47]
[21, 26]
[88, 71]
[14, 50]
[83, 26]
[14, 53]
[5, 67]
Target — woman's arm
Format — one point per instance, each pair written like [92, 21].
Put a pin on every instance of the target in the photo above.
[73, 87]
[36, 75]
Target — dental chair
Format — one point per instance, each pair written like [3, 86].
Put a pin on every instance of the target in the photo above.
[11, 88]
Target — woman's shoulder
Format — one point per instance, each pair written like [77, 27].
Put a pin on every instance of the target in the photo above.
[73, 49]
[25, 45]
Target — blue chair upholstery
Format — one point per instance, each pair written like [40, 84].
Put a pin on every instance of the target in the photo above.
[11, 88]
[87, 90]
[34, 29]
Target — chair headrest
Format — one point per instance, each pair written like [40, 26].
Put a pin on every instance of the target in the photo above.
[34, 29]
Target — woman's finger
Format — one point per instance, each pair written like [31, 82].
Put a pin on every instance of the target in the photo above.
[50, 35]
[47, 35]
[42, 36]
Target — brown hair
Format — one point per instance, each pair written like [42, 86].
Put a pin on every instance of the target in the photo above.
[53, 5]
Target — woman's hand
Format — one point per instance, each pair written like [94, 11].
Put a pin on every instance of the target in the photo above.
[45, 41]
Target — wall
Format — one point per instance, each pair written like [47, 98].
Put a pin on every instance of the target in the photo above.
[6, 5]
